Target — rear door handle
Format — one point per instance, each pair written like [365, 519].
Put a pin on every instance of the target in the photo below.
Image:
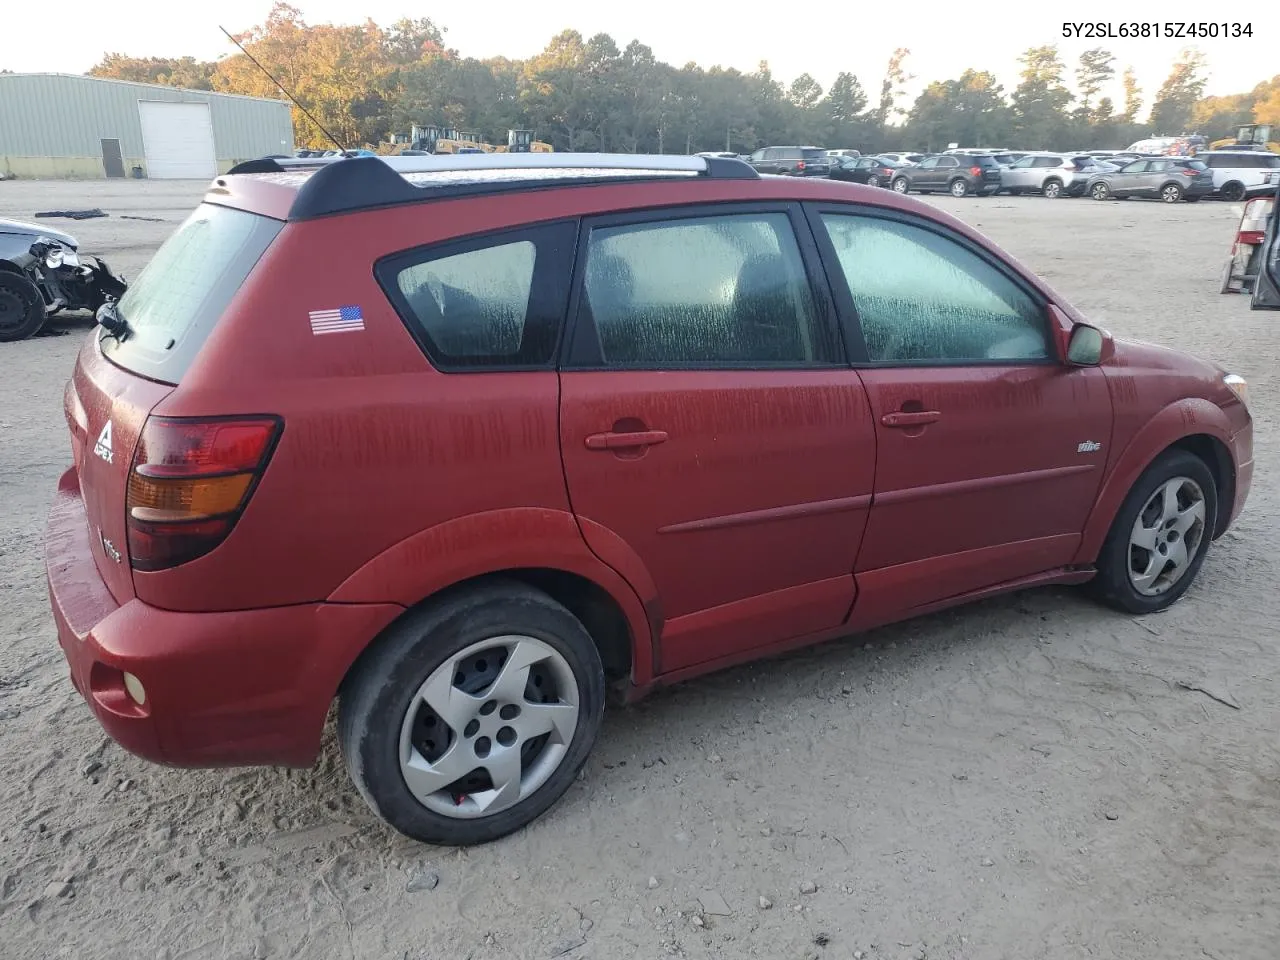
[915, 418]
[621, 441]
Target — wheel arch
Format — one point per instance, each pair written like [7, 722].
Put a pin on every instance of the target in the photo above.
[542, 548]
[1194, 424]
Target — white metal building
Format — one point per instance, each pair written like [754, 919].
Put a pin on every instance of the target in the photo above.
[66, 125]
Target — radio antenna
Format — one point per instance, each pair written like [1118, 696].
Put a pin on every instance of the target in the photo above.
[280, 87]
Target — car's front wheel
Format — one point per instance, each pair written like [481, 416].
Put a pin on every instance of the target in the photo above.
[1159, 537]
[469, 718]
[22, 312]
[900, 185]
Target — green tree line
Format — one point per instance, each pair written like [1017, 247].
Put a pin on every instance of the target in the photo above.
[365, 82]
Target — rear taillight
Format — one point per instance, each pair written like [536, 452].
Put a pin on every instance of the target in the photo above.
[1188, 172]
[975, 171]
[189, 483]
[799, 164]
[1251, 237]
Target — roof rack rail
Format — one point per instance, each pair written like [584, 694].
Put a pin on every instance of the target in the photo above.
[342, 184]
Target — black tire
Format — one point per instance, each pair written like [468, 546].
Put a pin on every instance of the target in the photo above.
[22, 312]
[1052, 189]
[958, 188]
[1100, 191]
[1171, 193]
[873, 181]
[1233, 191]
[901, 185]
[382, 686]
[1192, 199]
[1112, 584]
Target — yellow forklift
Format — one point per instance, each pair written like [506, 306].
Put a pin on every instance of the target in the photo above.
[1250, 136]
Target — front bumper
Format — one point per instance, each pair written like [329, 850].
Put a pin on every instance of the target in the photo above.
[227, 688]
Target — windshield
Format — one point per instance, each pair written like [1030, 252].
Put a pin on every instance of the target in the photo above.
[181, 294]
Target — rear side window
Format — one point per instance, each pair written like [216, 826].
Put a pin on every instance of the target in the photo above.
[176, 301]
[814, 154]
[922, 297]
[491, 302]
[704, 291]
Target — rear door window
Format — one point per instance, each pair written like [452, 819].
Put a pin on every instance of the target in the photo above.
[492, 302]
[700, 292]
[174, 304]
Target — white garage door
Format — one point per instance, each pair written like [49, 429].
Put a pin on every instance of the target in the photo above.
[177, 139]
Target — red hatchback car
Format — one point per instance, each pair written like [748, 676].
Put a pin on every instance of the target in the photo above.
[465, 442]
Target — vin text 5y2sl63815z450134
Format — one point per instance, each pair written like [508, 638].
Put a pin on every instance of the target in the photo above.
[1169, 30]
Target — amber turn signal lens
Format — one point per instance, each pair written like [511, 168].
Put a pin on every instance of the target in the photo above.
[171, 499]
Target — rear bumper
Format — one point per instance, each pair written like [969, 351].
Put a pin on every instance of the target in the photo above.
[221, 689]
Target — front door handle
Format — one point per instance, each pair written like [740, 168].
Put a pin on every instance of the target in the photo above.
[624, 440]
[913, 418]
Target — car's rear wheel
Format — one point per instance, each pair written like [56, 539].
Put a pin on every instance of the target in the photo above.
[22, 312]
[873, 181]
[1100, 191]
[1053, 189]
[1171, 193]
[959, 188]
[900, 185]
[1159, 537]
[1233, 191]
[469, 718]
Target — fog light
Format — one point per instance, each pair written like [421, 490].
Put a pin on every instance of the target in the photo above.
[134, 688]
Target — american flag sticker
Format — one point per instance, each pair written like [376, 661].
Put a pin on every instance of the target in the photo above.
[341, 320]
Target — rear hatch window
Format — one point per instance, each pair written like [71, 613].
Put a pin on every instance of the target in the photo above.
[811, 155]
[175, 302]
[985, 161]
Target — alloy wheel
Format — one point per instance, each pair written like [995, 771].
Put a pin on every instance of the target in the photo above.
[1166, 536]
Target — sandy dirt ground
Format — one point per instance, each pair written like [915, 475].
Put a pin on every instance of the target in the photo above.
[1023, 778]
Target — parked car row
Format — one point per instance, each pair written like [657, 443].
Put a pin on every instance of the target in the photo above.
[1100, 174]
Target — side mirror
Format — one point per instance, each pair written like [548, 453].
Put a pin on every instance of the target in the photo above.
[1086, 346]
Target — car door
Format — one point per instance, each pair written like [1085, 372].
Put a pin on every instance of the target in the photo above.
[1019, 174]
[989, 449]
[1127, 181]
[922, 174]
[862, 169]
[1153, 178]
[712, 432]
[946, 168]
[1266, 289]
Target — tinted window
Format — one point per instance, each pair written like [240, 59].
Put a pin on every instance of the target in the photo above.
[948, 162]
[1138, 166]
[928, 163]
[702, 292]
[787, 153]
[1156, 165]
[1025, 162]
[176, 301]
[921, 296]
[814, 154]
[985, 162]
[494, 302]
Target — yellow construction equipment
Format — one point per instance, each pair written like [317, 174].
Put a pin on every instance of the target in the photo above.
[1255, 136]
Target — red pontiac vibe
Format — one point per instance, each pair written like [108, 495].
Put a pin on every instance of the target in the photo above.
[465, 442]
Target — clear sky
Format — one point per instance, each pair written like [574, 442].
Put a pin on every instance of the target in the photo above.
[944, 36]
